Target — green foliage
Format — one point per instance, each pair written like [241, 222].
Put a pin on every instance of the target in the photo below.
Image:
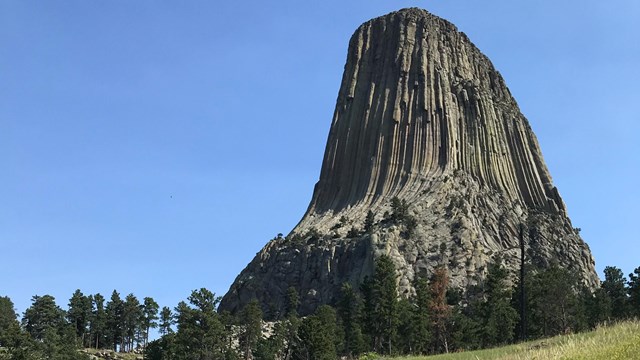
[251, 320]
[369, 221]
[400, 210]
[384, 305]
[499, 318]
[200, 331]
[405, 337]
[614, 286]
[318, 335]
[291, 302]
[166, 321]
[349, 312]
[131, 315]
[98, 323]
[43, 317]
[369, 356]
[161, 349]
[553, 306]
[634, 292]
[149, 317]
[114, 318]
[79, 315]
[8, 321]
[421, 321]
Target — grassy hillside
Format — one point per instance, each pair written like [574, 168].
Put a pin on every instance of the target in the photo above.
[621, 341]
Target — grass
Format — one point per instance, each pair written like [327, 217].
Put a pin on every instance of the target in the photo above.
[112, 355]
[616, 342]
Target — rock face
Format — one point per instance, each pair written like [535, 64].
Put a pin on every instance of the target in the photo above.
[421, 115]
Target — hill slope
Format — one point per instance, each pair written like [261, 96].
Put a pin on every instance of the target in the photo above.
[621, 341]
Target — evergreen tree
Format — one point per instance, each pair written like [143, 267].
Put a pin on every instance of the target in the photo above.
[131, 319]
[318, 336]
[166, 321]
[291, 323]
[422, 328]
[11, 335]
[597, 307]
[405, 338]
[292, 302]
[43, 315]
[386, 303]
[251, 319]
[149, 317]
[8, 316]
[499, 317]
[79, 314]
[114, 312]
[369, 222]
[98, 326]
[349, 312]
[200, 334]
[54, 338]
[369, 324]
[161, 349]
[553, 306]
[400, 210]
[634, 292]
[614, 286]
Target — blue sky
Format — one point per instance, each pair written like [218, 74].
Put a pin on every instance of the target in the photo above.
[154, 147]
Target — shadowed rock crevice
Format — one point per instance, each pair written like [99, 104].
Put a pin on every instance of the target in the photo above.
[421, 115]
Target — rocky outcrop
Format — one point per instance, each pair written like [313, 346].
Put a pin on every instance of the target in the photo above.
[421, 115]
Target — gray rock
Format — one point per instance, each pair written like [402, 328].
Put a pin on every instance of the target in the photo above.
[421, 115]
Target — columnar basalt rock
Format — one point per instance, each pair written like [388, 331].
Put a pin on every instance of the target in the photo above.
[421, 115]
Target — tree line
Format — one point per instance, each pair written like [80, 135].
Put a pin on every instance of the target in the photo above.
[90, 321]
[371, 318]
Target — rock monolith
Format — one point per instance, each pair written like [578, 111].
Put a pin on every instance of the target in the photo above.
[423, 119]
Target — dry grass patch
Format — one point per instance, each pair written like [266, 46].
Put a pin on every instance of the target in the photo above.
[616, 342]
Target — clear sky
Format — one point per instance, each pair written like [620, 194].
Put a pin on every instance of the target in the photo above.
[154, 147]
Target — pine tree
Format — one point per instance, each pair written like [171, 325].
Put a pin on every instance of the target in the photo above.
[114, 311]
[149, 317]
[634, 292]
[614, 286]
[369, 323]
[79, 313]
[369, 222]
[131, 317]
[200, 332]
[499, 317]
[251, 320]
[98, 327]
[597, 307]
[42, 316]
[386, 299]
[166, 321]
[405, 338]
[292, 302]
[318, 336]
[349, 312]
[9, 325]
[422, 328]
[292, 322]
[553, 305]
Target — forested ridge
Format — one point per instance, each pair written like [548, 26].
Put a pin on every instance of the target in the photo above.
[369, 319]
